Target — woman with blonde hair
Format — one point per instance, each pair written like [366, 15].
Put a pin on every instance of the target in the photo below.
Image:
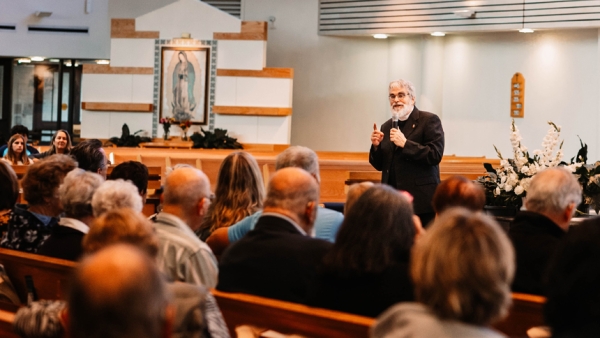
[239, 193]
[462, 269]
[17, 153]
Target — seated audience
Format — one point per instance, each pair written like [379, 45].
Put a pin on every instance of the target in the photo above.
[552, 198]
[16, 154]
[572, 293]
[116, 194]
[30, 225]
[182, 255]
[114, 297]
[76, 198]
[196, 311]
[133, 171]
[357, 276]
[23, 131]
[458, 191]
[239, 193]
[90, 156]
[278, 259]
[9, 193]
[327, 223]
[60, 144]
[461, 269]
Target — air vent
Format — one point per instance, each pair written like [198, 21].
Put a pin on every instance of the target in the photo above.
[78, 30]
[8, 27]
[232, 7]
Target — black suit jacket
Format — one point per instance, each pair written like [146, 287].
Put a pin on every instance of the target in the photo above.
[274, 260]
[416, 166]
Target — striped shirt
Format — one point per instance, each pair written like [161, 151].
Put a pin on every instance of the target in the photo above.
[181, 255]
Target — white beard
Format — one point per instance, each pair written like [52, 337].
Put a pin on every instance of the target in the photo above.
[404, 112]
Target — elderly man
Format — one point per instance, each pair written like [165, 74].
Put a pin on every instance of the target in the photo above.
[278, 258]
[552, 199]
[409, 148]
[90, 156]
[182, 256]
[115, 297]
[327, 223]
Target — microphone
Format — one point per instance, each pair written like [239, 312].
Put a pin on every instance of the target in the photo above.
[395, 121]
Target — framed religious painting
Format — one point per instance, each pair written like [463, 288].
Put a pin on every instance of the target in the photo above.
[184, 84]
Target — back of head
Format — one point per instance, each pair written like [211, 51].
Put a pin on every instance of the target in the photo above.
[299, 157]
[239, 193]
[121, 226]
[354, 192]
[291, 189]
[43, 178]
[133, 171]
[184, 187]
[462, 268]
[458, 191]
[572, 285]
[89, 155]
[375, 234]
[552, 191]
[19, 129]
[77, 191]
[9, 185]
[117, 292]
[116, 194]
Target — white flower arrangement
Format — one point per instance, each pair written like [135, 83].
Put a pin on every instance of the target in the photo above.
[505, 186]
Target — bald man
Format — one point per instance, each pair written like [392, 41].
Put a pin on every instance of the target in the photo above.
[278, 258]
[182, 256]
[115, 297]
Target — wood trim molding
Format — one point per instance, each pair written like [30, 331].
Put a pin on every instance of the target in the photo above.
[118, 106]
[251, 30]
[252, 111]
[282, 73]
[107, 69]
[125, 29]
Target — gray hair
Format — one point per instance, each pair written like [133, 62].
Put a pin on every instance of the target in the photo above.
[552, 190]
[410, 88]
[116, 194]
[77, 191]
[299, 157]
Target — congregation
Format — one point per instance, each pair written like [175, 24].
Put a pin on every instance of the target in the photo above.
[452, 277]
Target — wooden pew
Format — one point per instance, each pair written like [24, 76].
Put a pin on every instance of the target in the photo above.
[526, 312]
[289, 318]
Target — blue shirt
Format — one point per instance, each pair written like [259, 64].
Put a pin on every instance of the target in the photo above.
[327, 225]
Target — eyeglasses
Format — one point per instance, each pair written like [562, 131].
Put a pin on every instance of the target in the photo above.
[400, 95]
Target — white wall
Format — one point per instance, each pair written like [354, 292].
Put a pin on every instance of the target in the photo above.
[65, 13]
[340, 83]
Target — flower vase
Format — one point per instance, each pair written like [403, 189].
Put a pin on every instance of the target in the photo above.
[166, 135]
[184, 136]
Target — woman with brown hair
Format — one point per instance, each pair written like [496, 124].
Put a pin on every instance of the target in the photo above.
[17, 153]
[239, 193]
[60, 144]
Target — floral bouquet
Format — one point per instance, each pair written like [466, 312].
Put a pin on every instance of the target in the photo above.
[588, 176]
[507, 185]
[166, 122]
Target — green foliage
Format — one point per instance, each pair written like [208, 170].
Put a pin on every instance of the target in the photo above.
[128, 140]
[216, 140]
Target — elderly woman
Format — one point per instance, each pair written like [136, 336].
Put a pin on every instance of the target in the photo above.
[76, 197]
[116, 194]
[9, 192]
[30, 225]
[60, 144]
[462, 270]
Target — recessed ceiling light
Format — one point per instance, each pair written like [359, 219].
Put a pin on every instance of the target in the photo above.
[526, 30]
[380, 36]
[37, 58]
[102, 62]
[438, 34]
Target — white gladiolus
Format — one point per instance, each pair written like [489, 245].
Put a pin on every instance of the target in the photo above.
[508, 187]
[519, 190]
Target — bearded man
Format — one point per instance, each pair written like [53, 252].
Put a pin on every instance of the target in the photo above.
[409, 148]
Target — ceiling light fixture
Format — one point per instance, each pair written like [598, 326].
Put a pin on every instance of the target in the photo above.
[526, 30]
[523, 29]
[102, 62]
[380, 36]
[37, 58]
[24, 60]
[438, 34]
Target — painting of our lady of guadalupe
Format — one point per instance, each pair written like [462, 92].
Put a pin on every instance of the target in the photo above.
[184, 84]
